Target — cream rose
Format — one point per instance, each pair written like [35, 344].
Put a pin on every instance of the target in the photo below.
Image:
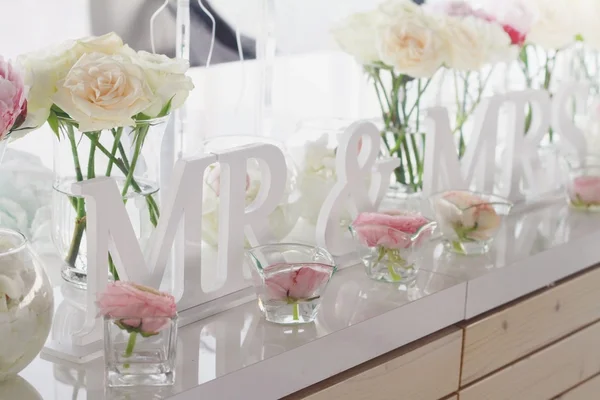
[44, 69]
[103, 91]
[356, 35]
[556, 23]
[411, 43]
[474, 42]
[167, 79]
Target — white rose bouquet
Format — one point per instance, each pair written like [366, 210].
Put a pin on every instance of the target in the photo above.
[105, 102]
[401, 46]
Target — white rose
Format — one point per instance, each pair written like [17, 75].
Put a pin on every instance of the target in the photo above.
[356, 35]
[555, 25]
[103, 92]
[412, 44]
[167, 79]
[44, 69]
[474, 42]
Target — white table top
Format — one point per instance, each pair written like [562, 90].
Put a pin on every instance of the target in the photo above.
[237, 355]
[226, 355]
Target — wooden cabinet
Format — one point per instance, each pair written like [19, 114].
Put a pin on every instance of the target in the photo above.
[545, 346]
[505, 336]
[429, 371]
[544, 374]
[588, 390]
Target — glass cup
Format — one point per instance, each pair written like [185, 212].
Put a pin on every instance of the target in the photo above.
[583, 182]
[390, 244]
[290, 280]
[140, 358]
[469, 220]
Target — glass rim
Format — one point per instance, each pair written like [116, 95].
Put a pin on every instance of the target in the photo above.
[137, 122]
[250, 252]
[19, 247]
[430, 224]
[573, 158]
[173, 318]
[494, 199]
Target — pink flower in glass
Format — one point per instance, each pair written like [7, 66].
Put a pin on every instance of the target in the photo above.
[390, 229]
[141, 308]
[300, 284]
[587, 189]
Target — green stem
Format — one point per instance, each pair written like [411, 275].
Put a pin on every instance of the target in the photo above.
[130, 346]
[91, 170]
[80, 224]
[117, 141]
[113, 269]
[79, 203]
[296, 312]
[123, 165]
[395, 277]
[458, 247]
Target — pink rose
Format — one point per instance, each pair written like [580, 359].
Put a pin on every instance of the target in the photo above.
[586, 189]
[141, 308]
[303, 283]
[390, 229]
[214, 179]
[13, 105]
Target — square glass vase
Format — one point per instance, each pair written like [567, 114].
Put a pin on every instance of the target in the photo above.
[137, 358]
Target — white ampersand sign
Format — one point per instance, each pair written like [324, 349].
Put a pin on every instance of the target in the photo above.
[361, 184]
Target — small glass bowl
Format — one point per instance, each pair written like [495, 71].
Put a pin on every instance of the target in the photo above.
[290, 280]
[583, 182]
[389, 243]
[469, 220]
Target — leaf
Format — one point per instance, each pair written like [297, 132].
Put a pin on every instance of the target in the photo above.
[59, 111]
[142, 117]
[166, 109]
[53, 122]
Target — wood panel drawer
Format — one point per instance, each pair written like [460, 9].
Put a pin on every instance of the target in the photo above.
[505, 336]
[545, 374]
[587, 391]
[428, 372]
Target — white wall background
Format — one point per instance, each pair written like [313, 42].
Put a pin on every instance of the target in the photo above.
[302, 26]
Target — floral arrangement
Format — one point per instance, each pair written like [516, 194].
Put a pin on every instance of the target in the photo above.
[281, 221]
[584, 192]
[391, 239]
[136, 309]
[469, 219]
[101, 90]
[13, 101]
[295, 286]
[402, 45]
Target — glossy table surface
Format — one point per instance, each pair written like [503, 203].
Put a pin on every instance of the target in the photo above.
[229, 353]
[236, 354]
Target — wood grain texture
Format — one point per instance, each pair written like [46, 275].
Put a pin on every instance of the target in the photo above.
[429, 372]
[501, 338]
[545, 374]
[587, 391]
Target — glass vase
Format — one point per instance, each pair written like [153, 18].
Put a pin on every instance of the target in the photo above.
[130, 155]
[290, 280]
[392, 252]
[26, 304]
[281, 221]
[134, 358]
[468, 220]
[583, 182]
